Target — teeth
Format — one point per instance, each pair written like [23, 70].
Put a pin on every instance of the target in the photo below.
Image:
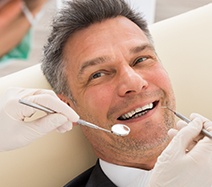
[137, 110]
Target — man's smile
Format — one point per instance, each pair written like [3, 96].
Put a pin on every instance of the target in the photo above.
[140, 111]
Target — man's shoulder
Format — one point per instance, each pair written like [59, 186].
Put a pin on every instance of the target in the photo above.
[81, 180]
[93, 177]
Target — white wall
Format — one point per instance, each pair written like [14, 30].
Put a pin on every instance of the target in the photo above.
[147, 7]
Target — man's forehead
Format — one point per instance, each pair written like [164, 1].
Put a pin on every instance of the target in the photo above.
[100, 37]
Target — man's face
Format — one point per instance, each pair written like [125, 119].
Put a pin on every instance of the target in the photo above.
[116, 77]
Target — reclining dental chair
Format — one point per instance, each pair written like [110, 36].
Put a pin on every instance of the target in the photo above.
[184, 45]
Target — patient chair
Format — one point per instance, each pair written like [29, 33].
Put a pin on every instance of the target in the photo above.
[184, 45]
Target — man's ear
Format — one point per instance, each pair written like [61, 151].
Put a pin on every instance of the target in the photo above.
[66, 100]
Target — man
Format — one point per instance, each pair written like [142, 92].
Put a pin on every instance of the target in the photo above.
[100, 60]
[106, 69]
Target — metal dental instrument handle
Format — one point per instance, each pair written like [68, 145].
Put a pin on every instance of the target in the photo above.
[118, 129]
[204, 131]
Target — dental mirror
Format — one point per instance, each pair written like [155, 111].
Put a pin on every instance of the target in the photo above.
[117, 129]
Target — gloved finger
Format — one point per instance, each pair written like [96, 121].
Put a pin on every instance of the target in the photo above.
[195, 115]
[19, 93]
[181, 124]
[202, 152]
[17, 111]
[185, 136]
[191, 132]
[48, 123]
[23, 92]
[194, 142]
[54, 103]
[65, 127]
[208, 125]
[172, 133]
[36, 129]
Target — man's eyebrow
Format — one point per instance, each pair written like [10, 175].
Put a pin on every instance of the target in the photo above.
[140, 48]
[93, 62]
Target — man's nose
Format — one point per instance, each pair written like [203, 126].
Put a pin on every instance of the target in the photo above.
[131, 82]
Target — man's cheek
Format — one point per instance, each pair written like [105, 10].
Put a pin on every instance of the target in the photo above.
[98, 100]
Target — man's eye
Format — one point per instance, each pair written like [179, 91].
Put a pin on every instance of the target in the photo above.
[139, 60]
[97, 75]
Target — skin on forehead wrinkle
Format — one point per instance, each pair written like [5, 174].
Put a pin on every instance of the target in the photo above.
[103, 59]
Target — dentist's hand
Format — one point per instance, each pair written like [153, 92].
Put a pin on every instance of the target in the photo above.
[187, 160]
[15, 132]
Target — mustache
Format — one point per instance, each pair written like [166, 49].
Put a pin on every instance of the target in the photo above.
[134, 99]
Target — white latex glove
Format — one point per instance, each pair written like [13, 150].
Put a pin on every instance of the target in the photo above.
[187, 160]
[15, 133]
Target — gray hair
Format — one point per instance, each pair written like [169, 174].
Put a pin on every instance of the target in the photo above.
[76, 15]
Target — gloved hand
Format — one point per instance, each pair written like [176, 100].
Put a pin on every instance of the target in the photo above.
[15, 132]
[187, 160]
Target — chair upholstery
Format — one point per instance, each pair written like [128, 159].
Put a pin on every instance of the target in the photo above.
[184, 45]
